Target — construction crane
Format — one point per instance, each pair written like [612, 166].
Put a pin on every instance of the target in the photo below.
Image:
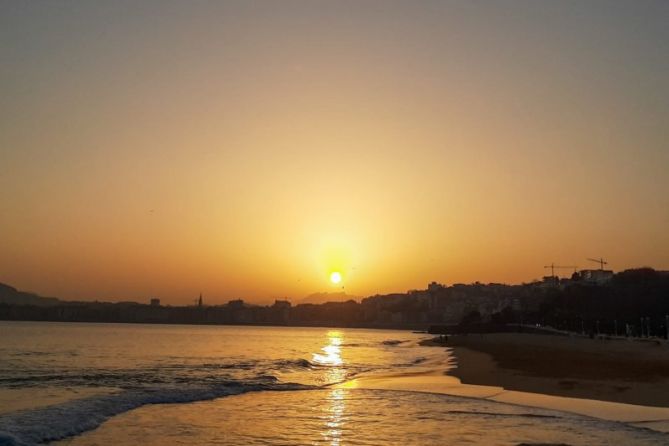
[600, 261]
[553, 267]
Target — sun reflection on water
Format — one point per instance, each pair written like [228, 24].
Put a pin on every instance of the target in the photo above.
[335, 418]
[335, 403]
[332, 356]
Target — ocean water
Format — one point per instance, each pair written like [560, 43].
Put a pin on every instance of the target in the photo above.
[118, 384]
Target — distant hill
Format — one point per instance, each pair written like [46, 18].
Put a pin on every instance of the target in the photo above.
[321, 298]
[12, 296]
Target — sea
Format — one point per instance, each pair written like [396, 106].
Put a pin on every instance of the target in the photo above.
[130, 384]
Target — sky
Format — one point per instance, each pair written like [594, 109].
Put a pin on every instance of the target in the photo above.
[249, 149]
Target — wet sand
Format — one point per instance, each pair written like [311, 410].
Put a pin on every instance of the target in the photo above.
[623, 371]
[339, 416]
[615, 380]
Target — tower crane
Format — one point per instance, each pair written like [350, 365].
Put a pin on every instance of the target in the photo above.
[553, 267]
[600, 261]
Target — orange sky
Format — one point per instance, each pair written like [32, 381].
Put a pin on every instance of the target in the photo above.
[248, 150]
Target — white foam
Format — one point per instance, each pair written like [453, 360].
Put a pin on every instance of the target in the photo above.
[41, 425]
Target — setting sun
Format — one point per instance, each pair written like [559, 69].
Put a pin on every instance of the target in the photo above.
[335, 277]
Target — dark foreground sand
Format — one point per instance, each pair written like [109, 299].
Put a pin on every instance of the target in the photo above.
[619, 370]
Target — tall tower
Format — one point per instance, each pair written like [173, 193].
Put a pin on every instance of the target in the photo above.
[199, 301]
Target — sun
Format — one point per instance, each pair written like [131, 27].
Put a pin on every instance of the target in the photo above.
[335, 277]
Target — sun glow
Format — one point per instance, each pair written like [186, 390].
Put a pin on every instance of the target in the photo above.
[335, 277]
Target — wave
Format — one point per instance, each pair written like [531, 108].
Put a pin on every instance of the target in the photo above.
[51, 423]
[358, 344]
[165, 374]
[392, 342]
[295, 364]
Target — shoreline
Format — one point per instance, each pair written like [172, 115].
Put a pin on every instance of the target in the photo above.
[549, 372]
[614, 370]
[648, 417]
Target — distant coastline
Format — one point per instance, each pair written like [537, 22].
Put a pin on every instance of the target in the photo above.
[631, 303]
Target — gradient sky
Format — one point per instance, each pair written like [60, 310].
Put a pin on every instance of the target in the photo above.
[247, 149]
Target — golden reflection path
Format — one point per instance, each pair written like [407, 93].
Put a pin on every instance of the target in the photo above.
[336, 401]
[335, 419]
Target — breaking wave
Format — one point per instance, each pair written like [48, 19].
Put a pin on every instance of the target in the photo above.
[56, 422]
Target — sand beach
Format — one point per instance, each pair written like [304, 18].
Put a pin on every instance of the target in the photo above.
[617, 380]
[617, 370]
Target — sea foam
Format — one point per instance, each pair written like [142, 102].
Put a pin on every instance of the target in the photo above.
[56, 422]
